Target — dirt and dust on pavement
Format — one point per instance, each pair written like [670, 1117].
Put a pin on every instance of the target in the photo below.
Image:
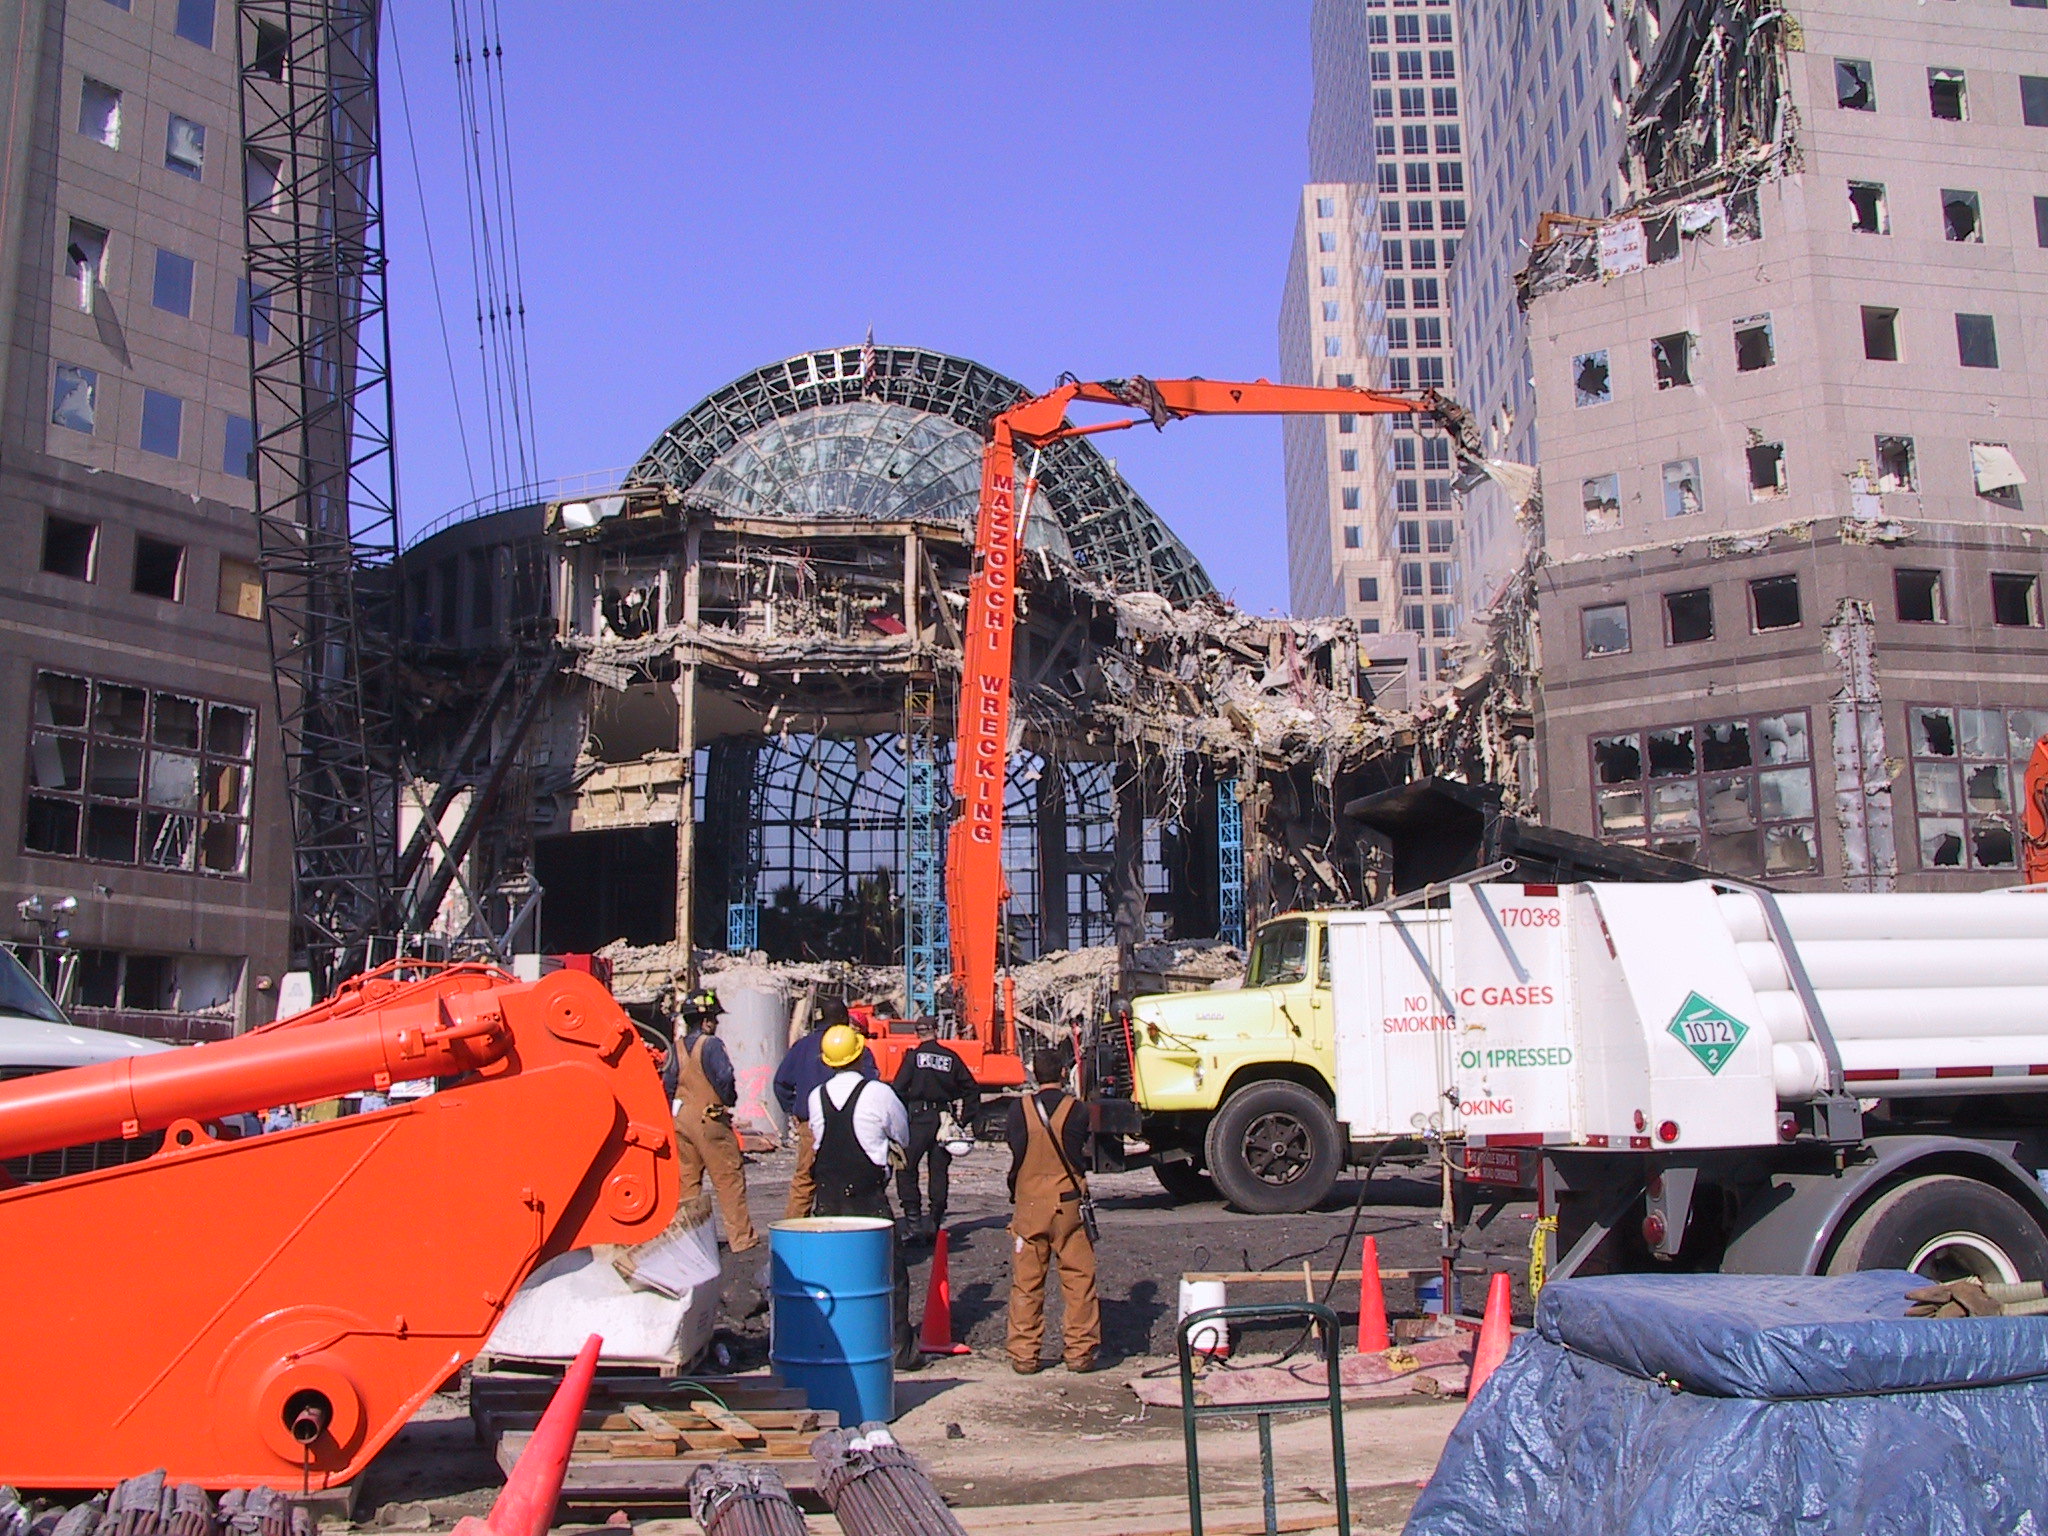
[993, 1438]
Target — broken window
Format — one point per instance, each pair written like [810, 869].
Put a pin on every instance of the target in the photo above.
[2016, 599]
[1604, 629]
[1855, 89]
[1947, 97]
[135, 782]
[1602, 496]
[1681, 487]
[1962, 216]
[1660, 239]
[260, 174]
[70, 547]
[1672, 356]
[1688, 616]
[1589, 379]
[1753, 347]
[1724, 744]
[272, 53]
[241, 589]
[1868, 214]
[74, 401]
[1919, 597]
[85, 261]
[1996, 472]
[1617, 759]
[99, 113]
[159, 568]
[1895, 469]
[185, 147]
[1672, 752]
[1976, 341]
[1966, 763]
[1880, 334]
[1774, 603]
[1766, 471]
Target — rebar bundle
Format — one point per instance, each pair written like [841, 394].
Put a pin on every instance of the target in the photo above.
[876, 1488]
[152, 1505]
[727, 1499]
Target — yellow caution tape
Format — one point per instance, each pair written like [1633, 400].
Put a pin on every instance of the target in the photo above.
[1539, 1253]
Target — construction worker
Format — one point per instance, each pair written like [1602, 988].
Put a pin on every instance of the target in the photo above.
[931, 1078]
[1048, 1134]
[705, 1143]
[859, 1127]
[803, 1069]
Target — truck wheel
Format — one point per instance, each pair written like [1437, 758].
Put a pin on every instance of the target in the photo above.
[1946, 1228]
[1184, 1181]
[1273, 1147]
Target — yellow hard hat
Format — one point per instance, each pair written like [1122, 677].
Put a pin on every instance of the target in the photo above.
[841, 1046]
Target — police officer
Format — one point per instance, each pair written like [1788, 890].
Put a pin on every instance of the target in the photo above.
[802, 1069]
[705, 1143]
[931, 1077]
[856, 1123]
[1048, 1133]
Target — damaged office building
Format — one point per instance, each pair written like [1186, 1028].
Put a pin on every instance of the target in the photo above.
[1790, 577]
[711, 708]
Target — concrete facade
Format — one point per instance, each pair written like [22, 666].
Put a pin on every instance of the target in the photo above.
[156, 798]
[1833, 411]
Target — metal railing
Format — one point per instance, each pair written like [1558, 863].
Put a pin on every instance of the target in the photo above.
[590, 483]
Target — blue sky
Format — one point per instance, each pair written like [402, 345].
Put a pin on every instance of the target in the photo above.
[703, 188]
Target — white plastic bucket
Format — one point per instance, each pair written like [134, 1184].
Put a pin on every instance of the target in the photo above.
[1198, 1296]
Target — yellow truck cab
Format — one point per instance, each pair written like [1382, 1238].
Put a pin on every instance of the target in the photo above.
[1237, 1087]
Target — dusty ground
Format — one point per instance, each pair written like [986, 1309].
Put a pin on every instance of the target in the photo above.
[991, 1438]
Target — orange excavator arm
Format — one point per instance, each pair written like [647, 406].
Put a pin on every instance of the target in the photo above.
[275, 1308]
[975, 889]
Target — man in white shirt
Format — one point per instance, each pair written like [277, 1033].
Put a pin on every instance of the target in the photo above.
[855, 1121]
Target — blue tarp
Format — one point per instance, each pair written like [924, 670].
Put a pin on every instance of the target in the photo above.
[1726, 1405]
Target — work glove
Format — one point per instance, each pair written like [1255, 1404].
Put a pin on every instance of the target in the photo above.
[1978, 1298]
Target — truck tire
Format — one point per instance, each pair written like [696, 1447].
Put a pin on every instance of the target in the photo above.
[1184, 1180]
[1946, 1228]
[1273, 1148]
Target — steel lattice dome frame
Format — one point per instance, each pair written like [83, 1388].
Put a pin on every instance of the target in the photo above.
[817, 435]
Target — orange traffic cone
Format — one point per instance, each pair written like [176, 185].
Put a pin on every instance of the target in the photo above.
[526, 1507]
[1495, 1333]
[1372, 1301]
[936, 1337]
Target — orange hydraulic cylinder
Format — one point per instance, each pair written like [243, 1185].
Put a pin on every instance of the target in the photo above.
[429, 1035]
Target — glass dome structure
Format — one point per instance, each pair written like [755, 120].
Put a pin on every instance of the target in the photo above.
[821, 436]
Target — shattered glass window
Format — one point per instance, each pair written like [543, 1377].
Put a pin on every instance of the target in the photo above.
[1602, 497]
[1868, 214]
[1962, 216]
[1672, 357]
[1855, 90]
[1617, 759]
[1681, 487]
[1604, 629]
[1966, 764]
[1590, 382]
[1708, 803]
[2016, 599]
[1947, 95]
[1774, 603]
[1753, 344]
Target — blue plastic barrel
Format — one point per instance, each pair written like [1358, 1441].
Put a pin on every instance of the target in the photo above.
[831, 1331]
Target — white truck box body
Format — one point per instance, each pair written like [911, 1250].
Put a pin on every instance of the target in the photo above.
[1631, 1015]
[1395, 1029]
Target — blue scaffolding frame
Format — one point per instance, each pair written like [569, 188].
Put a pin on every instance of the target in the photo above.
[1229, 864]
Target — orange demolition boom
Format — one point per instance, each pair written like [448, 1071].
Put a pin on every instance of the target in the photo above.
[975, 889]
[262, 1310]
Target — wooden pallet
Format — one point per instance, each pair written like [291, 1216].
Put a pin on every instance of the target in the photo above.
[629, 1449]
[507, 1400]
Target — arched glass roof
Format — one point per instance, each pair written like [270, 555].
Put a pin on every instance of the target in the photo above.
[812, 437]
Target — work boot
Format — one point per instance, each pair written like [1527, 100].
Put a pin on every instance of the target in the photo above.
[928, 1226]
[1022, 1369]
[1083, 1366]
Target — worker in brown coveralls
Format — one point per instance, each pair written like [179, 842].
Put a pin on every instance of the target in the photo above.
[705, 1143]
[1048, 1134]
